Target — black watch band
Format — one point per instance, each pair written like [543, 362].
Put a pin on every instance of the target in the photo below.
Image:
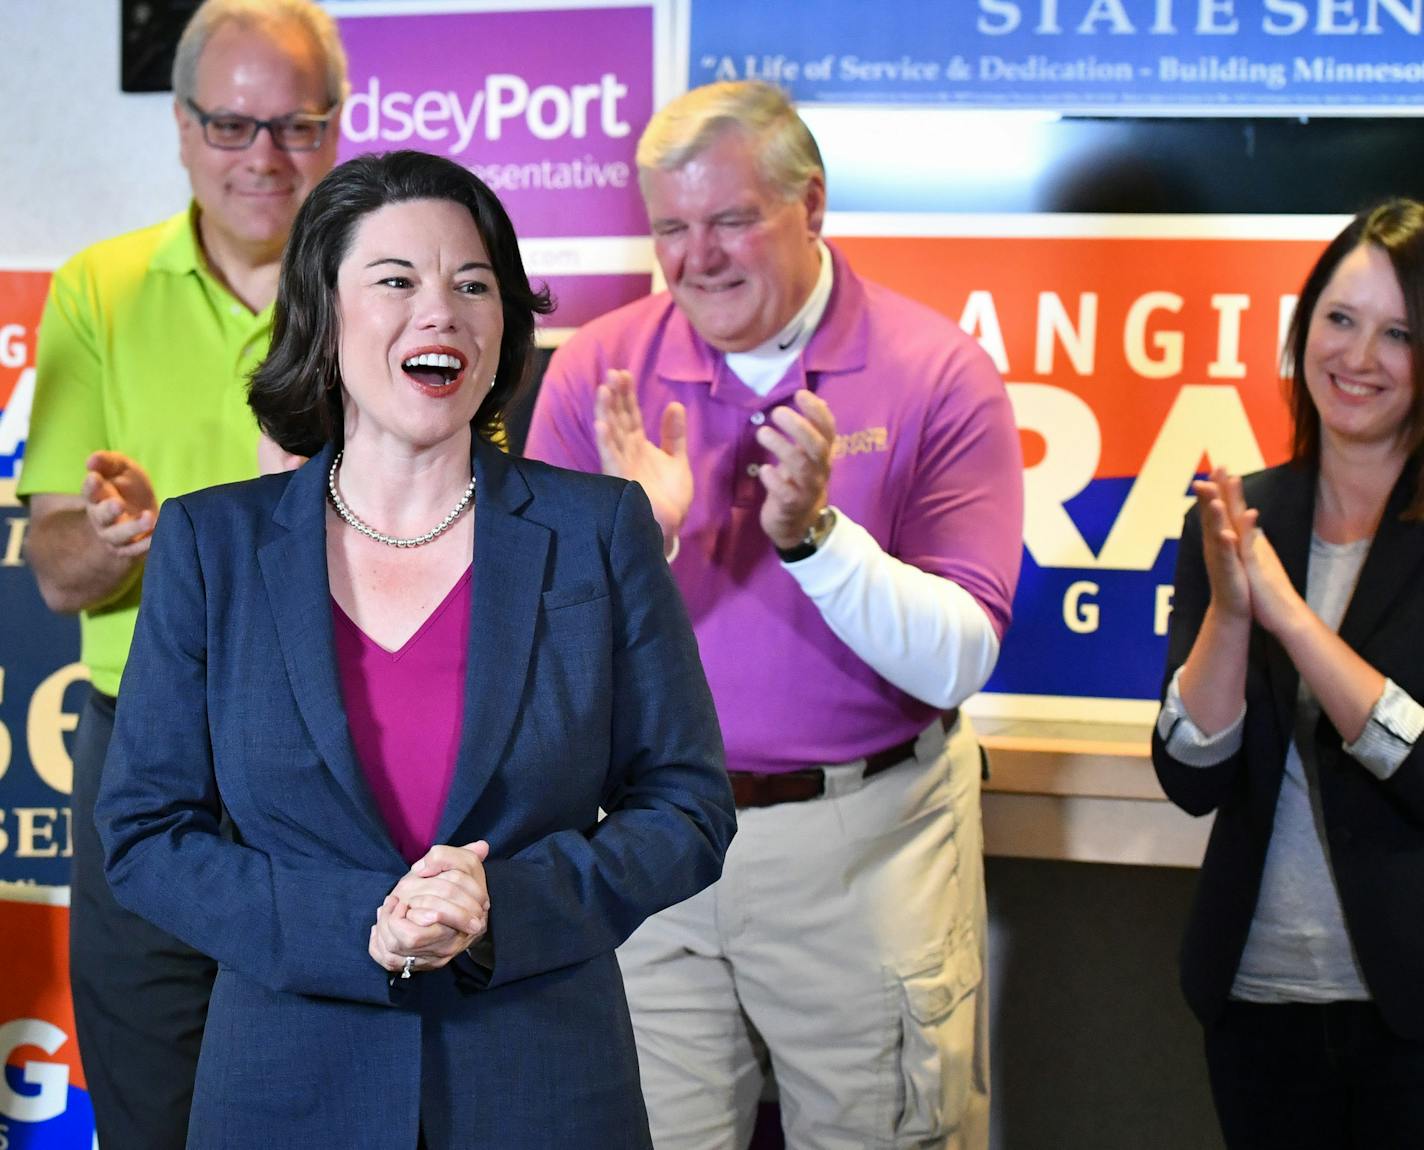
[796, 553]
[811, 542]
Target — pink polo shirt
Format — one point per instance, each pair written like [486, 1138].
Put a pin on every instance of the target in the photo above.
[405, 710]
[927, 460]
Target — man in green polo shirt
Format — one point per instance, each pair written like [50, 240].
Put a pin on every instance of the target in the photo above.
[144, 350]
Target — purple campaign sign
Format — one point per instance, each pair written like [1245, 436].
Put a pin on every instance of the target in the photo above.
[582, 298]
[544, 106]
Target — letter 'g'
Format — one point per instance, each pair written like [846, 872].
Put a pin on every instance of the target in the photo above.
[13, 349]
[1080, 614]
[52, 1078]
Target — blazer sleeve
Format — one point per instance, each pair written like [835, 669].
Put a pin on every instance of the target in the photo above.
[574, 895]
[1197, 790]
[297, 928]
[1406, 784]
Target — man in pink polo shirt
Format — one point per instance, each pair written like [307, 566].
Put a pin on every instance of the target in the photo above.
[838, 479]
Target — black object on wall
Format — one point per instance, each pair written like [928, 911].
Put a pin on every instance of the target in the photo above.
[1326, 165]
[149, 32]
[1329, 165]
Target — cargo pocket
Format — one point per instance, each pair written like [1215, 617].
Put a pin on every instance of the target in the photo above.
[937, 1024]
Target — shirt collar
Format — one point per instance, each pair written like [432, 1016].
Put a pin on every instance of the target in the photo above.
[797, 334]
[178, 252]
[837, 344]
[762, 368]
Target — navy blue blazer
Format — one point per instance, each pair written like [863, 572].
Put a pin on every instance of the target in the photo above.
[584, 691]
[1374, 830]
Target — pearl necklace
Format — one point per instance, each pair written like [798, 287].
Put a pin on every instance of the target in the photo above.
[349, 517]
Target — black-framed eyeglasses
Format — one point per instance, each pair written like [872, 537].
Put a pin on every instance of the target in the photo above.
[298, 132]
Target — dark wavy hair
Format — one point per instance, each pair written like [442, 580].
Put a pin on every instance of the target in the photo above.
[296, 392]
[1396, 227]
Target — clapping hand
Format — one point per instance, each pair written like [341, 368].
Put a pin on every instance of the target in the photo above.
[1275, 603]
[1222, 505]
[624, 450]
[802, 439]
[1246, 575]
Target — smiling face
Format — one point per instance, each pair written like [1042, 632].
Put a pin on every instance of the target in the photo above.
[739, 258]
[420, 322]
[247, 199]
[1358, 364]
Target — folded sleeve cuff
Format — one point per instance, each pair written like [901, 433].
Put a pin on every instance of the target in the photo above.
[1394, 726]
[1186, 742]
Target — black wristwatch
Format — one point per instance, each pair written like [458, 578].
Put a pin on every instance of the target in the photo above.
[813, 540]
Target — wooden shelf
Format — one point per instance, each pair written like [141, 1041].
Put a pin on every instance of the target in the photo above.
[1083, 792]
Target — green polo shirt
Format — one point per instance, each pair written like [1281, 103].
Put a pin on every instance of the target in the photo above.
[141, 351]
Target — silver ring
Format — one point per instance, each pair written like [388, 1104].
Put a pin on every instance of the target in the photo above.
[409, 963]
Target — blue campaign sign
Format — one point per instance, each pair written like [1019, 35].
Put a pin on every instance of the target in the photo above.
[44, 1102]
[1115, 56]
[41, 684]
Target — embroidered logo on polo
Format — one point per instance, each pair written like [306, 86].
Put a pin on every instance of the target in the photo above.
[862, 442]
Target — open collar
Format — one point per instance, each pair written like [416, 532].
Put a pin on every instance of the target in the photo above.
[840, 342]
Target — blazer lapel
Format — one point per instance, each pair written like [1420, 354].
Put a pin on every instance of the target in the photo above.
[1287, 516]
[510, 557]
[1391, 567]
[293, 564]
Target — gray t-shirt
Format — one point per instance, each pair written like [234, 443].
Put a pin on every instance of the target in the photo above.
[1298, 949]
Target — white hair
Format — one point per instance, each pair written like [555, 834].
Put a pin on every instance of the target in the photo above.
[786, 151]
[211, 15]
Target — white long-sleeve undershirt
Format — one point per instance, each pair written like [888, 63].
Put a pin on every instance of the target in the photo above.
[922, 632]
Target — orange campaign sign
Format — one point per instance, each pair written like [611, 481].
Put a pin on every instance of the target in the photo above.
[1134, 362]
[43, 1091]
[22, 296]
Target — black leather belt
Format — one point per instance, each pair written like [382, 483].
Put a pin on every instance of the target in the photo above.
[750, 789]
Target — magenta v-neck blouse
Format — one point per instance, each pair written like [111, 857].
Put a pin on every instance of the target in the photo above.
[405, 710]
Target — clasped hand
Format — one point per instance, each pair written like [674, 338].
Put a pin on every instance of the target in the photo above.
[438, 909]
[1246, 576]
[801, 438]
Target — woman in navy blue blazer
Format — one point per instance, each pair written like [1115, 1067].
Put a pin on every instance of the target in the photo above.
[449, 702]
[1292, 709]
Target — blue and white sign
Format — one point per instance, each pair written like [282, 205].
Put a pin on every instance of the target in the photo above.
[1168, 57]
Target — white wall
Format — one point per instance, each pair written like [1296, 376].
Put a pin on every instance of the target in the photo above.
[82, 160]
